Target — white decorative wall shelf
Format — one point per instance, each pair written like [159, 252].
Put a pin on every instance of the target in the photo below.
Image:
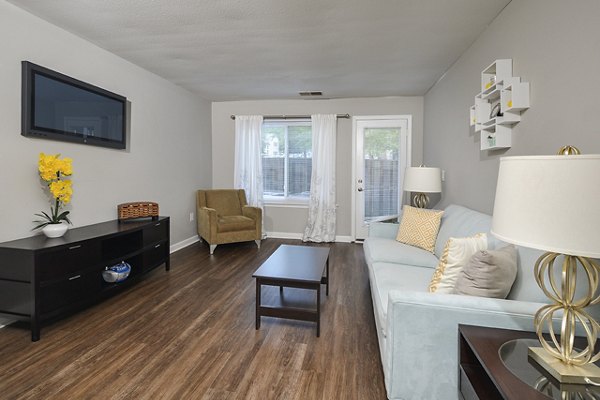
[499, 105]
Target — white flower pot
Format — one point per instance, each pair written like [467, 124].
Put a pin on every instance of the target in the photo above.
[55, 230]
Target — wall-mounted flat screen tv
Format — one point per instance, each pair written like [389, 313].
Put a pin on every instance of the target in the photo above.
[58, 107]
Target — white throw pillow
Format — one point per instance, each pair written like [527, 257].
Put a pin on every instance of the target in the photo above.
[457, 252]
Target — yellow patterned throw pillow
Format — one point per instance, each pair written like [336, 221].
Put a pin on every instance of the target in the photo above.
[457, 253]
[419, 227]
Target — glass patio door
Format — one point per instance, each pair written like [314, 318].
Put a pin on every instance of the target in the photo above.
[382, 154]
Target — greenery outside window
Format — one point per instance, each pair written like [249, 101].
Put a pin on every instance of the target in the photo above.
[286, 151]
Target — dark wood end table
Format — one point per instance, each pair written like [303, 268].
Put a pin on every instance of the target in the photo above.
[493, 364]
[304, 267]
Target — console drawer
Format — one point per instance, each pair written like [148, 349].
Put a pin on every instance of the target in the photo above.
[155, 255]
[157, 232]
[54, 264]
[71, 290]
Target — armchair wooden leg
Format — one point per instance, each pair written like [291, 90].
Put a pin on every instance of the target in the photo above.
[257, 243]
[212, 248]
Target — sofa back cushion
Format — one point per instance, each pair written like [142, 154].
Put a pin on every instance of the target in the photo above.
[460, 221]
[525, 287]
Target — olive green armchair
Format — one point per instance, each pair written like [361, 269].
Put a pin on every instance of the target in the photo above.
[224, 216]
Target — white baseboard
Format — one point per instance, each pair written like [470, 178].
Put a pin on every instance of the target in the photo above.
[276, 235]
[184, 243]
[284, 235]
[4, 322]
[293, 235]
[343, 239]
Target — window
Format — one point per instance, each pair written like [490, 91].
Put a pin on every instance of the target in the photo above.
[382, 193]
[286, 160]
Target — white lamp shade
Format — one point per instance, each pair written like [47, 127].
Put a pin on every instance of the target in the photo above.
[549, 203]
[423, 180]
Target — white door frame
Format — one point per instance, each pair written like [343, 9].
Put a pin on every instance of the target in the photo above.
[355, 119]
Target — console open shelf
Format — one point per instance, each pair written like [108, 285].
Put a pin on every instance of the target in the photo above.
[43, 279]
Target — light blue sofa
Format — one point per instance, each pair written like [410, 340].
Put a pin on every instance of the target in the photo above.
[417, 330]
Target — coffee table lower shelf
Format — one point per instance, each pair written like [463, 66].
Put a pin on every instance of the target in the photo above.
[301, 267]
[300, 314]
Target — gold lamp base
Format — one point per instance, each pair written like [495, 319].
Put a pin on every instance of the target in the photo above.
[421, 200]
[558, 356]
[563, 373]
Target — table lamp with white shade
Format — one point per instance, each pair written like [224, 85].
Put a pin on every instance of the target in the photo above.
[422, 180]
[550, 203]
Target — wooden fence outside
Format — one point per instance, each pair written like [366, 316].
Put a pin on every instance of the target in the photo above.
[380, 182]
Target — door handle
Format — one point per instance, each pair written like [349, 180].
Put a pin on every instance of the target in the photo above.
[360, 189]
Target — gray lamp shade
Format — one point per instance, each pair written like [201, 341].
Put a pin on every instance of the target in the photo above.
[423, 180]
[549, 203]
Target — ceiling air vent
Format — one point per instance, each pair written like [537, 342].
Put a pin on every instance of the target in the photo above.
[310, 94]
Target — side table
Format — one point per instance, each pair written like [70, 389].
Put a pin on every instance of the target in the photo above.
[493, 364]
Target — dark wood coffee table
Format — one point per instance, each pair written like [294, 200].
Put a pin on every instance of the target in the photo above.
[296, 267]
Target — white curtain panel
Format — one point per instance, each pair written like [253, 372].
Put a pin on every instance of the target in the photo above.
[321, 206]
[248, 163]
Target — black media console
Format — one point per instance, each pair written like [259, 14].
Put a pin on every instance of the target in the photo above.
[43, 279]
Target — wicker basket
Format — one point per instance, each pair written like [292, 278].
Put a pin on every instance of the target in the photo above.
[140, 209]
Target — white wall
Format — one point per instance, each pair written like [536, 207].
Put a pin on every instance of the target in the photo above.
[555, 46]
[293, 220]
[169, 155]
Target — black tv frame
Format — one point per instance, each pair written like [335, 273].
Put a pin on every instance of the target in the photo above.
[28, 129]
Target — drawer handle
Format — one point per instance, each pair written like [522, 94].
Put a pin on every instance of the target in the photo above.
[74, 247]
[74, 277]
[157, 246]
[157, 224]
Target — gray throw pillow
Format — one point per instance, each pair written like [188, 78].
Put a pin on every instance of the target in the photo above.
[489, 273]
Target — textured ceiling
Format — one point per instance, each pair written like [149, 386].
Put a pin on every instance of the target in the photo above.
[272, 49]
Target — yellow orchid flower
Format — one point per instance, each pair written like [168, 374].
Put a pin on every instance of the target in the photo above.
[53, 169]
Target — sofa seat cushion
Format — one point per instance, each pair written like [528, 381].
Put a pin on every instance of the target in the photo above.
[390, 251]
[235, 223]
[387, 277]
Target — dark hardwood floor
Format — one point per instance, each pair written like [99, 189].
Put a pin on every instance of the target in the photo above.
[189, 334]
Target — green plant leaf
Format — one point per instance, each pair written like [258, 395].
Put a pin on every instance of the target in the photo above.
[44, 215]
[63, 216]
[40, 225]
